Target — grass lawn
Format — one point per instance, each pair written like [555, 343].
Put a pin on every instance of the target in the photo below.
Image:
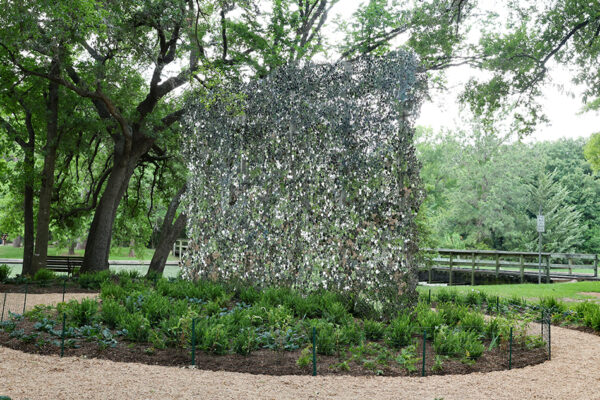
[117, 253]
[530, 291]
[171, 271]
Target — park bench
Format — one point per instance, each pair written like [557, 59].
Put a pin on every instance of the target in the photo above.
[68, 264]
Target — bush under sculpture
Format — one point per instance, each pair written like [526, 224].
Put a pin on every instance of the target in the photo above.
[308, 178]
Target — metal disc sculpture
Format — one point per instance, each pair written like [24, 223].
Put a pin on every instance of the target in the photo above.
[308, 178]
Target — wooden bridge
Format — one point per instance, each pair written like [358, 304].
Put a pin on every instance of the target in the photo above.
[488, 265]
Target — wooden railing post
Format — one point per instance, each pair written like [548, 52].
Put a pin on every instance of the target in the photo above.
[570, 266]
[595, 265]
[450, 270]
[522, 269]
[473, 269]
[548, 268]
[497, 265]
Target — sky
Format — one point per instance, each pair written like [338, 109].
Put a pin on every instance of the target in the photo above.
[561, 103]
[561, 99]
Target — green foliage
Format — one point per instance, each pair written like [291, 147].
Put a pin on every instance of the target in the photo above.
[245, 341]
[374, 330]
[136, 326]
[4, 272]
[349, 334]
[399, 332]
[44, 275]
[111, 312]
[458, 343]
[93, 280]
[305, 358]
[408, 358]
[485, 193]
[82, 313]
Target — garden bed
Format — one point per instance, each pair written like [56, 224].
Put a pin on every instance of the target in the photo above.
[264, 332]
[266, 362]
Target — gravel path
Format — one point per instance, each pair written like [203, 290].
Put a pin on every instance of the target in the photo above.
[573, 373]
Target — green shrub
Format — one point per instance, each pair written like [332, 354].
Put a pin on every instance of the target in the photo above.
[446, 296]
[111, 312]
[473, 298]
[325, 336]
[349, 334]
[93, 280]
[589, 314]
[109, 290]
[137, 326]
[4, 272]
[44, 275]
[374, 330]
[336, 313]
[249, 295]
[452, 314]
[399, 331]
[305, 358]
[458, 343]
[305, 307]
[215, 339]
[245, 341]
[83, 313]
[591, 318]
[473, 321]
[156, 307]
[552, 305]
[429, 319]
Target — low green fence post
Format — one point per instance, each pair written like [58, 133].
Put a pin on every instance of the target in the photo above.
[3, 304]
[549, 339]
[314, 350]
[510, 349]
[429, 298]
[25, 300]
[194, 342]
[424, 351]
[497, 304]
[64, 288]
[62, 336]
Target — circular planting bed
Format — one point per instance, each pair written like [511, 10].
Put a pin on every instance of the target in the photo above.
[259, 332]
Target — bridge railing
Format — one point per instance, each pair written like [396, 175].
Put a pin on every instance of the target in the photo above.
[513, 262]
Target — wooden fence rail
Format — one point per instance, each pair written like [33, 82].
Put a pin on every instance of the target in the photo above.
[511, 262]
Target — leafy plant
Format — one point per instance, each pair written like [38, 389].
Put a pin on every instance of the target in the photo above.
[82, 313]
[43, 276]
[4, 272]
[408, 358]
[374, 330]
[305, 358]
[136, 325]
[245, 341]
[399, 331]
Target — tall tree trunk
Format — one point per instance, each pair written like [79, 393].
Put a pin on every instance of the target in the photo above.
[17, 241]
[168, 235]
[28, 237]
[72, 244]
[43, 221]
[80, 244]
[98, 241]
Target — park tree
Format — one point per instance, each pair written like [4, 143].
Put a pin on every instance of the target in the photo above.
[129, 60]
[518, 49]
